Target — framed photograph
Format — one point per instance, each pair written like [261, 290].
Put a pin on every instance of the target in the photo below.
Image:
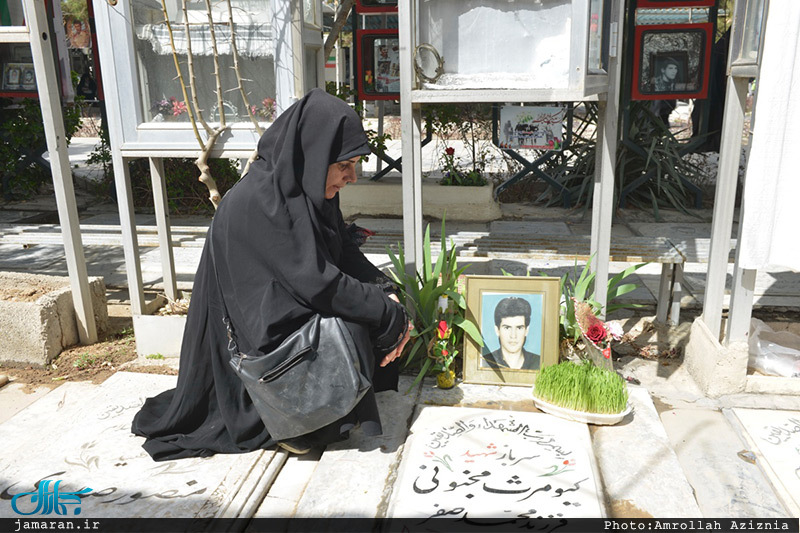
[674, 3]
[379, 65]
[518, 320]
[671, 61]
[535, 127]
[19, 77]
[376, 6]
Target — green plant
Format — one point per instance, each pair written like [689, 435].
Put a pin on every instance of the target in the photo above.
[582, 387]
[84, 360]
[22, 143]
[471, 124]
[452, 175]
[187, 195]
[432, 296]
[154, 356]
[576, 288]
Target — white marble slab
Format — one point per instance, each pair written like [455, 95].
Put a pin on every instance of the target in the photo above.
[641, 473]
[775, 438]
[353, 476]
[85, 441]
[724, 484]
[481, 463]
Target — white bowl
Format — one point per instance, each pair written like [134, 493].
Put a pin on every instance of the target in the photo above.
[599, 419]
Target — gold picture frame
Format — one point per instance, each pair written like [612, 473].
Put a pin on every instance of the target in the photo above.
[497, 305]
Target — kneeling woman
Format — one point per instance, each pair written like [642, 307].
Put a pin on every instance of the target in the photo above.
[280, 254]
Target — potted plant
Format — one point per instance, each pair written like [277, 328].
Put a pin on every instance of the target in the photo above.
[582, 392]
[437, 308]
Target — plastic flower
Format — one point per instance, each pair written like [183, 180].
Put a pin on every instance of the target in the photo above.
[443, 331]
[450, 150]
[615, 330]
[178, 108]
[596, 332]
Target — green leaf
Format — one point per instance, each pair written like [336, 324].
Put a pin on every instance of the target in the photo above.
[470, 328]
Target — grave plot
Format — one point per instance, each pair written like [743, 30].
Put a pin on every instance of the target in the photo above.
[479, 463]
[81, 437]
[775, 438]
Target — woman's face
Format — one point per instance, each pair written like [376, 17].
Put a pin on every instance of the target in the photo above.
[340, 174]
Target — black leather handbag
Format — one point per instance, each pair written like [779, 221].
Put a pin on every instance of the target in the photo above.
[312, 379]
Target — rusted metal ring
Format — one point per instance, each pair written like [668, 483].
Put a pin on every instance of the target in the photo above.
[439, 63]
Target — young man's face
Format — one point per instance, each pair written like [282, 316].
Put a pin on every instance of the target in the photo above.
[671, 72]
[512, 332]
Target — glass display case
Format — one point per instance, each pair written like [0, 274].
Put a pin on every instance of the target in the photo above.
[141, 47]
[16, 62]
[529, 45]
[746, 37]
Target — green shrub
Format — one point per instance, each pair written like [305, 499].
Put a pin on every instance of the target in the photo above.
[22, 141]
[186, 195]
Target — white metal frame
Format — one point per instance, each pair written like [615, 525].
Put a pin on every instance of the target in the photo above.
[37, 33]
[410, 111]
[131, 137]
[48, 87]
[741, 303]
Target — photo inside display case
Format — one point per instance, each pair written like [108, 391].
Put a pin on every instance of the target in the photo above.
[671, 61]
[379, 72]
[163, 99]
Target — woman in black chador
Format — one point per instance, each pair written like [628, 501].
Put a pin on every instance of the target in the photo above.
[282, 254]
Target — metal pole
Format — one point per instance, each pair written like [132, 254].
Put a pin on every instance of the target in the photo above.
[724, 200]
[55, 134]
[607, 128]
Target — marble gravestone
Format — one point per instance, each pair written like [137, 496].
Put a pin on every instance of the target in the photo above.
[482, 463]
[775, 437]
[79, 437]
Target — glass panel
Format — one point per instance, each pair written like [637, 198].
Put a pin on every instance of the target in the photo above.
[499, 44]
[17, 67]
[596, 21]
[675, 15]
[380, 64]
[751, 41]
[311, 79]
[310, 12]
[11, 13]
[162, 96]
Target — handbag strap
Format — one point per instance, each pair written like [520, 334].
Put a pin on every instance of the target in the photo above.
[233, 347]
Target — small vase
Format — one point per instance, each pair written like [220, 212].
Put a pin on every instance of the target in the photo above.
[446, 379]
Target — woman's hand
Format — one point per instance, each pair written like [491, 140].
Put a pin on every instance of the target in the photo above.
[394, 354]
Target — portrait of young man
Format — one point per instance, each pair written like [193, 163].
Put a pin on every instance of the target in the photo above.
[512, 320]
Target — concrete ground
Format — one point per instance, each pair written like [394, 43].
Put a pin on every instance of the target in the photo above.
[679, 454]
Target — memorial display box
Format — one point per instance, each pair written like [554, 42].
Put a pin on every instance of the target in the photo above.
[136, 50]
[532, 50]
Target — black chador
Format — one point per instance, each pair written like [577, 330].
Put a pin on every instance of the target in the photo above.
[282, 253]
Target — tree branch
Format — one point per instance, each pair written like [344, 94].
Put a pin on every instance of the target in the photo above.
[341, 19]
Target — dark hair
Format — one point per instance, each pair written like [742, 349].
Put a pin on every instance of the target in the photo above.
[512, 306]
[669, 61]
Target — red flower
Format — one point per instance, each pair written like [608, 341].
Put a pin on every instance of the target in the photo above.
[596, 332]
[444, 353]
[450, 151]
[442, 331]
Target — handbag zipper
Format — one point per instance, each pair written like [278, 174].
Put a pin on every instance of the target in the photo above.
[284, 367]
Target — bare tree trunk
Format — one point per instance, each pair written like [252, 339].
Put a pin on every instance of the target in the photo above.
[338, 24]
